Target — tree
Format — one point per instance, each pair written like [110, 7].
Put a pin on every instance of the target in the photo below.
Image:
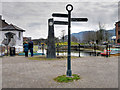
[74, 39]
[57, 40]
[102, 34]
[63, 35]
[89, 36]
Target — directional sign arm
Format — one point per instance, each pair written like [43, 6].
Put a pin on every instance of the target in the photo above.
[61, 22]
[79, 19]
[60, 15]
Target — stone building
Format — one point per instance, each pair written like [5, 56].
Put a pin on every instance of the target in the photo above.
[117, 28]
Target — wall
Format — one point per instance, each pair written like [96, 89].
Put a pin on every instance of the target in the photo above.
[117, 29]
[19, 41]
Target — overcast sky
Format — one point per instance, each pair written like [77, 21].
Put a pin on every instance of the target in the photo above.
[33, 16]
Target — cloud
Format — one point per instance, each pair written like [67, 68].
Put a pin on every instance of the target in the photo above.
[33, 16]
[59, 0]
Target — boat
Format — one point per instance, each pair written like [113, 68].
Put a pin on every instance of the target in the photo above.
[105, 53]
[112, 51]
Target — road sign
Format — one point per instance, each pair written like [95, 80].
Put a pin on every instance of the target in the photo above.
[79, 19]
[60, 15]
[61, 22]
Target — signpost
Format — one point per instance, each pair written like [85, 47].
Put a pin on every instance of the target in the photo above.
[69, 8]
[60, 15]
[79, 19]
[61, 22]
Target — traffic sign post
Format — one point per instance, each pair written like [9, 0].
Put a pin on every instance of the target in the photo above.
[60, 15]
[69, 8]
[79, 19]
[61, 22]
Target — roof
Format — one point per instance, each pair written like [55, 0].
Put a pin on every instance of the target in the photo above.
[3, 23]
[118, 22]
[12, 27]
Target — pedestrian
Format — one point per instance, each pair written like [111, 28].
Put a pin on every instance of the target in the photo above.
[26, 49]
[31, 47]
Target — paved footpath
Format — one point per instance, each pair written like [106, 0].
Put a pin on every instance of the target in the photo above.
[95, 72]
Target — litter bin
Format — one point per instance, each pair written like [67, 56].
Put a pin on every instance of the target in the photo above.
[12, 51]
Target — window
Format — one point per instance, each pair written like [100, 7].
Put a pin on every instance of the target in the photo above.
[118, 24]
[118, 41]
[19, 35]
[118, 32]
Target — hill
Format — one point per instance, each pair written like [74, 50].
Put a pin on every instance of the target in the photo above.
[80, 35]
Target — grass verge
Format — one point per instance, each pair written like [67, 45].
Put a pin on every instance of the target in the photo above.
[66, 79]
[44, 58]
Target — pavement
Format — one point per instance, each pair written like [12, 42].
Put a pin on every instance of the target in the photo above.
[95, 72]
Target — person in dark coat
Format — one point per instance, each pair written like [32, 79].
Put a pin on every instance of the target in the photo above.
[26, 49]
[31, 47]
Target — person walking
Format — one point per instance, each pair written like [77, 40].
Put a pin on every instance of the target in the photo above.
[31, 47]
[26, 49]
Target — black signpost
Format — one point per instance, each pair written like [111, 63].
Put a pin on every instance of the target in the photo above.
[61, 22]
[79, 19]
[60, 15]
[69, 8]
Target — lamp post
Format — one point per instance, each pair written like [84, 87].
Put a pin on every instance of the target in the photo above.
[69, 8]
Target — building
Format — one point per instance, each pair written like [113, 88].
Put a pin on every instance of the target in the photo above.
[117, 28]
[11, 35]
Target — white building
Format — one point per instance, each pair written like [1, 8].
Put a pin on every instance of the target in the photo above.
[16, 38]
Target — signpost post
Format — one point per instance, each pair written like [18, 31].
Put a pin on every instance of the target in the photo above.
[69, 8]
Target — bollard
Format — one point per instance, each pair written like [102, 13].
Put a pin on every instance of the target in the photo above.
[42, 49]
[79, 50]
[12, 51]
[57, 49]
[95, 49]
[107, 50]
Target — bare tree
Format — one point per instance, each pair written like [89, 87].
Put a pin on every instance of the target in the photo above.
[100, 34]
[63, 35]
[74, 39]
[89, 36]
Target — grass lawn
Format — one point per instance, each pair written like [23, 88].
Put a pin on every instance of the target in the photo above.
[66, 43]
[66, 79]
[44, 58]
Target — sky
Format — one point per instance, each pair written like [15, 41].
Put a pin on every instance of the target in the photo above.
[33, 16]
